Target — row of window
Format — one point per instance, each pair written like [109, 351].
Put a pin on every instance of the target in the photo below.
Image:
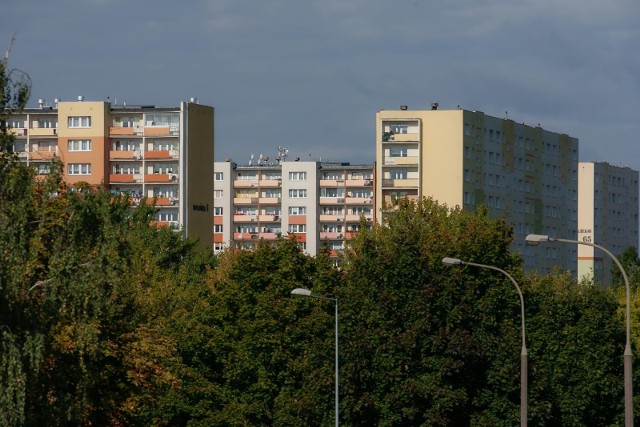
[295, 176]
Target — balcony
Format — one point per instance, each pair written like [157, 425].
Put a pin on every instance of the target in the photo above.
[245, 183]
[358, 200]
[42, 155]
[331, 200]
[359, 182]
[161, 177]
[157, 154]
[268, 236]
[18, 131]
[244, 236]
[163, 201]
[125, 155]
[270, 183]
[122, 177]
[404, 137]
[115, 131]
[244, 201]
[270, 200]
[330, 235]
[331, 182]
[269, 218]
[400, 160]
[43, 132]
[157, 131]
[240, 217]
[400, 183]
[331, 217]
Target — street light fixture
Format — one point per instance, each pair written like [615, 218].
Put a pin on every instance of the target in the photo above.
[307, 293]
[523, 352]
[535, 240]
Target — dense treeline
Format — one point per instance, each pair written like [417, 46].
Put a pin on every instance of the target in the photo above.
[108, 320]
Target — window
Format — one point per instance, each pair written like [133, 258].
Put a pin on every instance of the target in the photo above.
[332, 175]
[332, 210]
[165, 145]
[79, 168]
[166, 192]
[79, 121]
[164, 120]
[274, 193]
[217, 228]
[218, 247]
[126, 169]
[128, 122]
[297, 176]
[79, 145]
[47, 123]
[167, 215]
[15, 122]
[297, 228]
[298, 193]
[125, 145]
[217, 194]
[43, 168]
[49, 146]
[297, 210]
[360, 210]
[360, 192]
[398, 128]
[398, 152]
[218, 176]
[399, 174]
[217, 211]
[331, 192]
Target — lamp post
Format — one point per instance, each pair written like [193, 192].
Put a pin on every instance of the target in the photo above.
[536, 239]
[523, 352]
[307, 293]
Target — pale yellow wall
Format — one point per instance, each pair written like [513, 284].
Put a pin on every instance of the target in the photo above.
[586, 224]
[442, 156]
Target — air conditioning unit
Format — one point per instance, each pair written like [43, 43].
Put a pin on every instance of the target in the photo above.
[173, 177]
[340, 200]
[367, 202]
[339, 220]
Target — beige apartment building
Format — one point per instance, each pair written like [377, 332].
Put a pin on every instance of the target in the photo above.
[158, 154]
[467, 158]
[321, 204]
[607, 216]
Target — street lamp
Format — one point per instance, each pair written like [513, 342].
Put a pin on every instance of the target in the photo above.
[307, 293]
[523, 352]
[536, 239]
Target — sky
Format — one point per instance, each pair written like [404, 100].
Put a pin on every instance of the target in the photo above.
[310, 75]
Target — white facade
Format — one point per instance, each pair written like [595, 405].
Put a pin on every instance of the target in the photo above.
[321, 205]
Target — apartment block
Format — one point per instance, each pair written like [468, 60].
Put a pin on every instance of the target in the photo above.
[320, 204]
[467, 158]
[607, 216]
[163, 155]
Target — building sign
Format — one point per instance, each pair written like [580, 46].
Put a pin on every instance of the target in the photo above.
[585, 235]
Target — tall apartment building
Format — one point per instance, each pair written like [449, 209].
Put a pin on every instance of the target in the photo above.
[607, 216]
[161, 154]
[466, 158]
[321, 204]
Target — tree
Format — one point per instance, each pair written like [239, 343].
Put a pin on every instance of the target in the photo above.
[273, 353]
[631, 264]
[576, 342]
[427, 344]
